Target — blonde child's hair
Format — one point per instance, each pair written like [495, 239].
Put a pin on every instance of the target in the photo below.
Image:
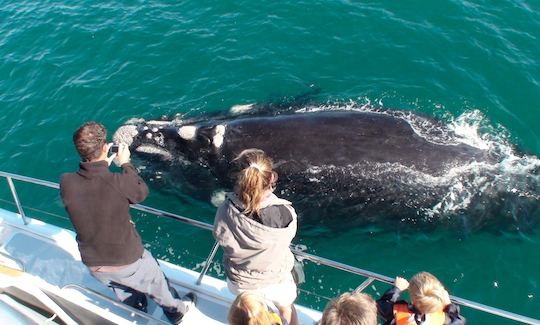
[249, 309]
[427, 293]
[354, 308]
[254, 179]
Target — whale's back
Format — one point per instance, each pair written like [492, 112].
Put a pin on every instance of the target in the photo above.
[341, 139]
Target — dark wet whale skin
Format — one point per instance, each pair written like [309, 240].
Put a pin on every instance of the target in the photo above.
[329, 162]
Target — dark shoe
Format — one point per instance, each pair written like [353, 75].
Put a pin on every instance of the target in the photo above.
[137, 300]
[189, 300]
[174, 317]
[142, 304]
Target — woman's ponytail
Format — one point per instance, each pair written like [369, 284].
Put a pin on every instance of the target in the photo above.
[254, 179]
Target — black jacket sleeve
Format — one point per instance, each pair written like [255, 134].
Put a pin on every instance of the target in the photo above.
[452, 315]
[275, 216]
[132, 185]
[385, 305]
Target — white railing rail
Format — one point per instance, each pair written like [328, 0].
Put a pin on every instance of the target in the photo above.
[371, 276]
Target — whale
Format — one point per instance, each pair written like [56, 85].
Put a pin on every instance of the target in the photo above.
[298, 141]
[356, 166]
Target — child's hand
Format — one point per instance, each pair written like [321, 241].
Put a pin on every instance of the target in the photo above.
[401, 283]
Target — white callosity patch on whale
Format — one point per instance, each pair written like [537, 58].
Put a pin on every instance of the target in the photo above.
[158, 138]
[239, 109]
[218, 197]
[125, 134]
[154, 150]
[218, 135]
[187, 132]
[155, 123]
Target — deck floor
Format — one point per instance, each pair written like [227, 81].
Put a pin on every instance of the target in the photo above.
[43, 258]
[50, 253]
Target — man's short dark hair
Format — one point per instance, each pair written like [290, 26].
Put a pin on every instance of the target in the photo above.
[89, 140]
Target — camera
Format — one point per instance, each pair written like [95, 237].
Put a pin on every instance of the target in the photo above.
[113, 149]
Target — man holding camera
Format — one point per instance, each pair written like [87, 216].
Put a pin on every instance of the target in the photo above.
[97, 202]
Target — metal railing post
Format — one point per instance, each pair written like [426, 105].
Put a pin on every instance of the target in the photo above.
[16, 199]
[207, 263]
[364, 284]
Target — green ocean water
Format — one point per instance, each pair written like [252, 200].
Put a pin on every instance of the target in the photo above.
[64, 63]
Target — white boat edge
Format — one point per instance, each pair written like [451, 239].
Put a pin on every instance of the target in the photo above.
[212, 292]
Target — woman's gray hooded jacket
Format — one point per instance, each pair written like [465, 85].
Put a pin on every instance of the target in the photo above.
[255, 255]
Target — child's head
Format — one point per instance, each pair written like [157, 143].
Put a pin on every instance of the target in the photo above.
[427, 293]
[350, 309]
[249, 309]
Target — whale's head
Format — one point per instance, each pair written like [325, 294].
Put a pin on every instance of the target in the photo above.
[168, 140]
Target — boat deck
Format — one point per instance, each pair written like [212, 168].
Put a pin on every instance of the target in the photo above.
[50, 253]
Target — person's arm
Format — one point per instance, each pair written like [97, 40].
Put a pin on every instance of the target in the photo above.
[63, 187]
[385, 304]
[131, 184]
[452, 315]
[220, 229]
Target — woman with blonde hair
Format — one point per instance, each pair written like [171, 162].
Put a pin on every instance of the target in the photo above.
[255, 228]
[250, 309]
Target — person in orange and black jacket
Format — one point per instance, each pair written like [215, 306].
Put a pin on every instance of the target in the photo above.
[430, 303]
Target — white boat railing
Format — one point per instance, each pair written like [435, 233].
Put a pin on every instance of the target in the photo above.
[371, 276]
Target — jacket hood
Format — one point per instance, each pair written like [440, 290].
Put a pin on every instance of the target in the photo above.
[253, 232]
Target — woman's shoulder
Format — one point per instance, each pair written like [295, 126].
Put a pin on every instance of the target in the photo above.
[273, 199]
[275, 216]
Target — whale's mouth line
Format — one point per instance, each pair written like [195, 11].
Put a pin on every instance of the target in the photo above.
[154, 150]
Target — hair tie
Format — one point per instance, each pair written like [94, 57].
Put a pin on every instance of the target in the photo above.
[256, 166]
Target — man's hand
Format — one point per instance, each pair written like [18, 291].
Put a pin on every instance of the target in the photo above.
[110, 158]
[401, 283]
[123, 155]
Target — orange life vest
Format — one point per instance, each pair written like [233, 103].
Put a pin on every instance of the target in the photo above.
[276, 320]
[404, 316]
